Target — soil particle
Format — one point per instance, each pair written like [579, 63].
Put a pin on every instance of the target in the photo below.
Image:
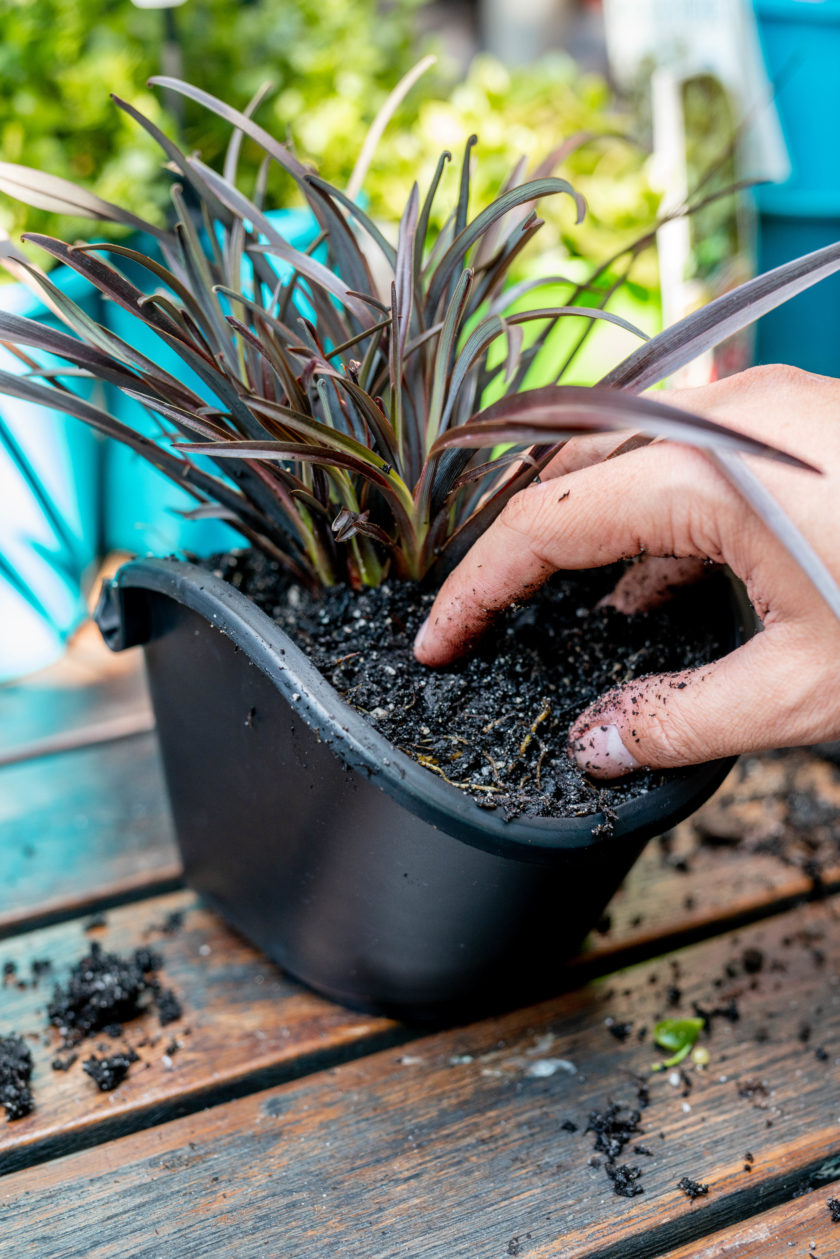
[752, 961]
[39, 966]
[730, 1012]
[692, 1188]
[497, 723]
[568, 1126]
[171, 925]
[755, 1092]
[108, 1073]
[613, 1131]
[105, 990]
[168, 1006]
[63, 1064]
[833, 1205]
[625, 1180]
[95, 922]
[15, 1074]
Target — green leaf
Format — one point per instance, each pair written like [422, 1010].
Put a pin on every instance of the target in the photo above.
[679, 1036]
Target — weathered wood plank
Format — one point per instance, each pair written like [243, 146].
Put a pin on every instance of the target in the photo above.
[455, 1144]
[804, 1227]
[88, 695]
[770, 835]
[241, 1018]
[81, 828]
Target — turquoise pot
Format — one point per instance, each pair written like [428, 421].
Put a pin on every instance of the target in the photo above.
[49, 504]
[141, 505]
[801, 44]
[800, 40]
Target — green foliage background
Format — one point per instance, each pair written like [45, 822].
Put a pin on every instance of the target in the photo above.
[332, 62]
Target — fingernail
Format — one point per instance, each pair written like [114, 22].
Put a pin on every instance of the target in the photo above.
[421, 634]
[600, 750]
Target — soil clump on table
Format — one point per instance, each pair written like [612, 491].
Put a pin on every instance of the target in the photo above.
[104, 991]
[495, 724]
[15, 1075]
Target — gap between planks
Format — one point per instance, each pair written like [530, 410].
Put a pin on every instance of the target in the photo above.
[455, 1146]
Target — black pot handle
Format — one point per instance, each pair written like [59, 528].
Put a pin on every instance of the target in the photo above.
[122, 615]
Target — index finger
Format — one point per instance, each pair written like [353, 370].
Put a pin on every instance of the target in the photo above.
[591, 517]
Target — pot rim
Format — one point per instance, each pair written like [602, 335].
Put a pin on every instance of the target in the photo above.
[123, 623]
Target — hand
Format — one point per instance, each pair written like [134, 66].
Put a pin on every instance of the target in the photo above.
[780, 688]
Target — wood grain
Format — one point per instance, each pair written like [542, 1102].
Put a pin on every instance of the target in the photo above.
[241, 1018]
[769, 836]
[82, 827]
[454, 1144]
[789, 1230]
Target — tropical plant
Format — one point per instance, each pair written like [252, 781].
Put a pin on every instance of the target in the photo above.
[340, 393]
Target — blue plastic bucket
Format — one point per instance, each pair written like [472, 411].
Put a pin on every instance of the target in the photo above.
[801, 44]
[800, 40]
[49, 504]
[805, 332]
[141, 505]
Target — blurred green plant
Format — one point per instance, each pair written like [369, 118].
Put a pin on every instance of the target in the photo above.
[332, 64]
[60, 59]
[525, 113]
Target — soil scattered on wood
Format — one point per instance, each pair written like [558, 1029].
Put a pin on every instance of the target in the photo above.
[497, 723]
[104, 991]
[15, 1074]
[613, 1131]
[782, 804]
[108, 1073]
[692, 1188]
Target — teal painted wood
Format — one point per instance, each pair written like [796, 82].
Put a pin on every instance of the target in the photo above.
[49, 508]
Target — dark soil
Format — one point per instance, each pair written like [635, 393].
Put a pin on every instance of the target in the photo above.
[15, 1074]
[108, 1073]
[168, 1006]
[105, 990]
[692, 1188]
[613, 1131]
[496, 724]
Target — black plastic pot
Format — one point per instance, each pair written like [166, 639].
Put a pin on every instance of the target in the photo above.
[360, 872]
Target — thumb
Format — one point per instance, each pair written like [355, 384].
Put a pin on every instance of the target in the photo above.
[742, 703]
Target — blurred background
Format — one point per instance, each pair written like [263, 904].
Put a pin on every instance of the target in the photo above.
[710, 154]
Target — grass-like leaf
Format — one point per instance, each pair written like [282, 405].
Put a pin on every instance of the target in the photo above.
[340, 391]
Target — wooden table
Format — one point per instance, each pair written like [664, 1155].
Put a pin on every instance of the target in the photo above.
[279, 1124]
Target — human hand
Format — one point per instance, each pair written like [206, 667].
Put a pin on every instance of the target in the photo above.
[665, 500]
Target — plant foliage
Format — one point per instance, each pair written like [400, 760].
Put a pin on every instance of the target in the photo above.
[342, 397]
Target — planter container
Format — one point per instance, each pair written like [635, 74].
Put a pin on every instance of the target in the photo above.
[49, 503]
[806, 330]
[801, 44]
[355, 869]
